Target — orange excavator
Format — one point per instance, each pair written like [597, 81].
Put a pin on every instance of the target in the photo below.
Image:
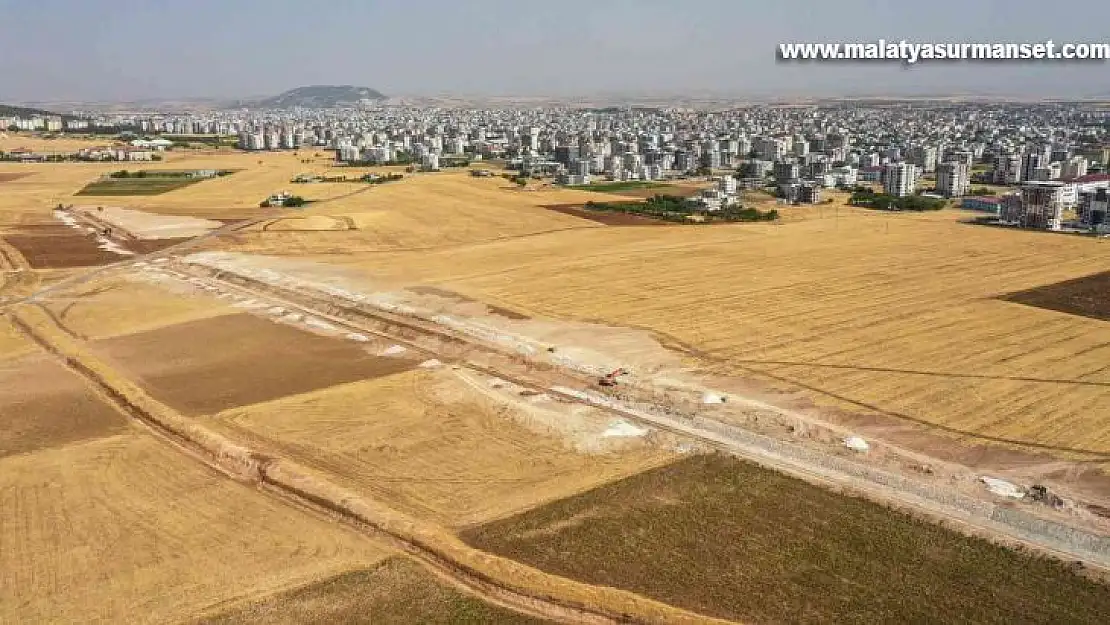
[610, 378]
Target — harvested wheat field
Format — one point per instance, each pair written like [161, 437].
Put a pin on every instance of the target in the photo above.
[429, 211]
[430, 445]
[894, 316]
[12, 342]
[44, 405]
[725, 538]
[117, 306]
[207, 365]
[129, 529]
[396, 591]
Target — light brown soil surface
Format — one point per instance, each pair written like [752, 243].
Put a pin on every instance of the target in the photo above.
[43, 405]
[608, 218]
[428, 444]
[398, 591]
[10, 177]
[1088, 296]
[48, 247]
[209, 365]
[458, 297]
[127, 529]
[118, 306]
[729, 539]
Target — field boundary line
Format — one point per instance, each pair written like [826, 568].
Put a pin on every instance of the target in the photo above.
[484, 573]
[984, 517]
[83, 277]
[11, 261]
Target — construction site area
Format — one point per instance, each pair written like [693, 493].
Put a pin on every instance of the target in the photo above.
[443, 399]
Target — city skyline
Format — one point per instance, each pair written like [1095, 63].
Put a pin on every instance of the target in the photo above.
[74, 51]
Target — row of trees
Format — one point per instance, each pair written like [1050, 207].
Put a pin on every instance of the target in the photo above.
[679, 209]
[862, 196]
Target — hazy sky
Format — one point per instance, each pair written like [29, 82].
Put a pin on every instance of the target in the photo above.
[126, 49]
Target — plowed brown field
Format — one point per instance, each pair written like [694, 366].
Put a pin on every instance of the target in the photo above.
[209, 365]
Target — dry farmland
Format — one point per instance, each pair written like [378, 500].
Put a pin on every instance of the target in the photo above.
[892, 316]
[865, 319]
[44, 405]
[725, 538]
[207, 365]
[395, 592]
[429, 211]
[424, 442]
[128, 529]
[114, 307]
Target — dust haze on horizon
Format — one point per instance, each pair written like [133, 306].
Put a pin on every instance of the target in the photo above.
[73, 50]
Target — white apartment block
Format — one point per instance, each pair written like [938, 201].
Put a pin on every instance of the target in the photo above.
[900, 180]
[953, 179]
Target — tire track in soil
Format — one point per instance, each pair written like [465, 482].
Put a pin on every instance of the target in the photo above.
[404, 330]
[463, 576]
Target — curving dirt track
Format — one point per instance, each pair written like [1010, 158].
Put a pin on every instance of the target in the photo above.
[501, 581]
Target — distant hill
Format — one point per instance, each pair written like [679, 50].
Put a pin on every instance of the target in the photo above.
[317, 96]
[20, 111]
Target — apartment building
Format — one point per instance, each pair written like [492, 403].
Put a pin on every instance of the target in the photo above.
[924, 157]
[900, 179]
[1041, 206]
[953, 179]
[1094, 209]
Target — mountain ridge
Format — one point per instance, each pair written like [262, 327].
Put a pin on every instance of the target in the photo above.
[317, 96]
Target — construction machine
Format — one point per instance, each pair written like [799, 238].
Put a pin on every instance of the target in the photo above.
[610, 379]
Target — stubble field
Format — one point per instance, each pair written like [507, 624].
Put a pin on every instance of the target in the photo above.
[891, 316]
[429, 445]
[128, 529]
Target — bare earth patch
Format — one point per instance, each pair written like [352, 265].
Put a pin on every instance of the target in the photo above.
[12, 177]
[43, 405]
[209, 365]
[51, 247]
[1088, 296]
[605, 217]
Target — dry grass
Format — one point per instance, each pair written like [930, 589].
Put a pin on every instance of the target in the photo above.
[875, 313]
[127, 529]
[427, 444]
[396, 591]
[429, 211]
[722, 537]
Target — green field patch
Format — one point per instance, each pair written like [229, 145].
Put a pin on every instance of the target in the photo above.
[617, 187]
[729, 539]
[397, 592]
[148, 182]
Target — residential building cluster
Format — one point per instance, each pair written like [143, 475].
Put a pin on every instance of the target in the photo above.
[1052, 157]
